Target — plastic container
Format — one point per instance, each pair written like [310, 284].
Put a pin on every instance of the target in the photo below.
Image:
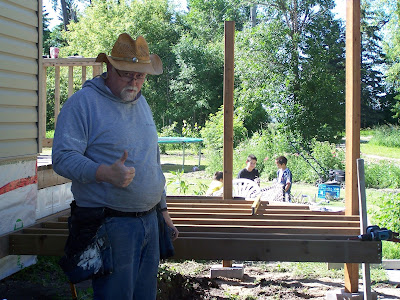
[326, 190]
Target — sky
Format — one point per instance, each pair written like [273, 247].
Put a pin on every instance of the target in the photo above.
[340, 10]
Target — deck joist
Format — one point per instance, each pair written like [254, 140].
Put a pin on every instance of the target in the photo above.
[216, 229]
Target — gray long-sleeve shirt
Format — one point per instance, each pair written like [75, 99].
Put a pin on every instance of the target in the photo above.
[95, 127]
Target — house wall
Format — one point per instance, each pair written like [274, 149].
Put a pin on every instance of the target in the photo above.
[20, 58]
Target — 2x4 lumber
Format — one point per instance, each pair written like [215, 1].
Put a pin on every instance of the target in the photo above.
[55, 225]
[210, 210]
[193, 200]
[239, 216]
[265, 222]
[298, 211]
[41, 230]
[256, 205]
[264, 236]
[52, 62]
[207, 205]
[278, 250]
[353, 231]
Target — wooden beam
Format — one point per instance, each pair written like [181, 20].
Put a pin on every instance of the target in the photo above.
[278, 250]
[265, 222]
[52, 62]
[353, 119]
[351, 231]
[228, 107]
[338, 251]
[239, 216]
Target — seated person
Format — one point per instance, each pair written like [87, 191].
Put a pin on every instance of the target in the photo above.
[250, 172]
[216, 185]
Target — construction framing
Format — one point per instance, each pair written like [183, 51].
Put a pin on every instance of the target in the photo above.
[216, 228]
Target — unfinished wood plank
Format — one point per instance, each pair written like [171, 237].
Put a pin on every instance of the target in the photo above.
[353, 120]
[256, 205]
[230, 249]
[55, 225]
[265, 222]
[278, 250]
[57, 94]
[208, 205]
[229, 57]
[229, 215]
[264, 236]
[70, 81]
[270, 229]
[37, 244]
[46, 231]
[52, 62]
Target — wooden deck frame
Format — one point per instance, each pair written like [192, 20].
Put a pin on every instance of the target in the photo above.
[199, 241]
[214, 232]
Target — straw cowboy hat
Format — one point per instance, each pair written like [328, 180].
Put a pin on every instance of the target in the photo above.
[132, 56]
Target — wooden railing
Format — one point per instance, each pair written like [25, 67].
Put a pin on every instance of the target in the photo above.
[57, 63]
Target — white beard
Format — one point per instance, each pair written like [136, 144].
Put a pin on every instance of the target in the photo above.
[126, 95]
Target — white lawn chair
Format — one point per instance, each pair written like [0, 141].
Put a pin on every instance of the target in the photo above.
[245, 188]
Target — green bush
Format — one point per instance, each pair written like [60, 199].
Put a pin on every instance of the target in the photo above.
[388, 136]
[169, 130]
[382, 175]
[213, 136]
[385, 212]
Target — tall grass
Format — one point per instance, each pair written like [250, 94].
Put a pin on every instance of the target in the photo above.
[388, 136]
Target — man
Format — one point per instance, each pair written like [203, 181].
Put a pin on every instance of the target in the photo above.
[106, 143]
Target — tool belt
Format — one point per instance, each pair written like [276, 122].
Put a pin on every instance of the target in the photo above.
[133, 214]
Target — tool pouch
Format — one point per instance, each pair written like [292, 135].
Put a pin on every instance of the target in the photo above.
[88, 252]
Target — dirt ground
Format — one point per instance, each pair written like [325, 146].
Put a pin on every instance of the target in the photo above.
[267, 281]
[191, 280]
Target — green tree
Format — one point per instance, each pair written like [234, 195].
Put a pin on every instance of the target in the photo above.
[205, 19]
[292, 66]
[198, 87]
[46, 33]
[376, 99]
[68, 10]
[102, 22]
[392, 48]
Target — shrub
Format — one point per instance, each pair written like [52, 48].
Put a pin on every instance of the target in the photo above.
[169, 130]
[388, 136]
[382, 175]
[213, 136]
[385, 212]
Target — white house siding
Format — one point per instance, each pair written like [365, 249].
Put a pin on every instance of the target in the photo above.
[20, 51]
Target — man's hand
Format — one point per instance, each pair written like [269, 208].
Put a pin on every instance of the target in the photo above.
[117, 174]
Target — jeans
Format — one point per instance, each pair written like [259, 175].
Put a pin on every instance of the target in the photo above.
[135, 254]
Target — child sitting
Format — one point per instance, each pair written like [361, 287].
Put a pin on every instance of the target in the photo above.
[216, 185]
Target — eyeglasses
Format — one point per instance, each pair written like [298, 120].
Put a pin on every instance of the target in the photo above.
[129, 76]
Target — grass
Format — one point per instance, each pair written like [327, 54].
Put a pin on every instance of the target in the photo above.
[371, 149]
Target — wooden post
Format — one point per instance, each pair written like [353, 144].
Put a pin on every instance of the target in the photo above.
[70, 81]
[56, 94]
[228, 113]
[353, 119]
[228, 107]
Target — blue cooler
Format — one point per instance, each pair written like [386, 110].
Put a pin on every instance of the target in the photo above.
[330, 190]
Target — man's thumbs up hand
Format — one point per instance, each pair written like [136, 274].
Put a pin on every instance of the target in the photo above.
[117, 174]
